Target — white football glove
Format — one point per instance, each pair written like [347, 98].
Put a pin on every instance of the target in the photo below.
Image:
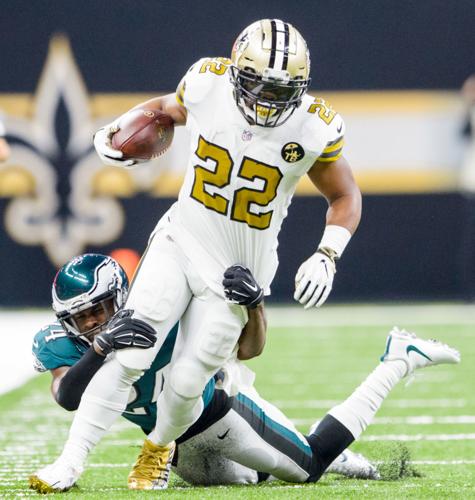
[314, 279]
[103, 145]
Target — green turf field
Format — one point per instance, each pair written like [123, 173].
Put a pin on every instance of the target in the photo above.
[311, 362]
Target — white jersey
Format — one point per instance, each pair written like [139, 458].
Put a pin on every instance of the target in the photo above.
[240, 178]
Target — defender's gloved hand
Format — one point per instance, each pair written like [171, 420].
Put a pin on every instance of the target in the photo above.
[103, 145]
[124, 331]
[241, 288]
[314, 279]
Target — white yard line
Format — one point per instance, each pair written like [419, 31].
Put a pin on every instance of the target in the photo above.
[416, 420]
[394, 403]
[419, 437]
[443, 462]
[18, 328]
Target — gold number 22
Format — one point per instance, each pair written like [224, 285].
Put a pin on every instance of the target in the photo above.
[244, 197]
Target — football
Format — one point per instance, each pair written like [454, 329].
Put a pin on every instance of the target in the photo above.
[144, 133]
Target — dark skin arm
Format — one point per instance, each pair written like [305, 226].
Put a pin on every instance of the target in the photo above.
[336, 182]
[58, 374]
[253, 336]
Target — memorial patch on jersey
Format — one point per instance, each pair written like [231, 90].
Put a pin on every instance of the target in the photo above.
[292, 152]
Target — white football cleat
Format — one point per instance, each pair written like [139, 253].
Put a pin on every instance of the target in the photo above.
[353, 465]
[54, 478]
[417, 353]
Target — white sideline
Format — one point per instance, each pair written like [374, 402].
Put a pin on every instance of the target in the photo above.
[18, 328]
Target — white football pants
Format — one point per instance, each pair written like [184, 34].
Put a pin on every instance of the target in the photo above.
[167, 289]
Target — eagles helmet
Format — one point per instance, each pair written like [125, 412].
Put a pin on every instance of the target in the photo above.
[91, 285]
[270, 72]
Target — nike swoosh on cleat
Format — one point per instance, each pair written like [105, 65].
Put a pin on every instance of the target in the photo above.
[224, 435]
[411, 347]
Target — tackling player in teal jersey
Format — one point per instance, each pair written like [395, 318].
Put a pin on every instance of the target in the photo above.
[234, 437]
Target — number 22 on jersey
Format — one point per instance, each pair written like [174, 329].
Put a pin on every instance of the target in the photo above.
[239, 208]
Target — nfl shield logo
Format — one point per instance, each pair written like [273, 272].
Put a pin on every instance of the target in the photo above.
[246, 135]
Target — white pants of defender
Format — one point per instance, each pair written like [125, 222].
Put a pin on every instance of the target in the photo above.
[231, 451]
[166, 289]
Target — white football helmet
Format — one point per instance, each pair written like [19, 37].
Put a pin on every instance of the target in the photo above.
[270, 72]
[84, 283]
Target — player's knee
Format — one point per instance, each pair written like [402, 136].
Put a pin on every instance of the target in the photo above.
[188, 379]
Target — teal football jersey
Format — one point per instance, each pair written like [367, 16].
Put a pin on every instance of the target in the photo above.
[53, 348]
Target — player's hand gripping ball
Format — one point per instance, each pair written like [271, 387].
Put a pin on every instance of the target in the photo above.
[138, 136]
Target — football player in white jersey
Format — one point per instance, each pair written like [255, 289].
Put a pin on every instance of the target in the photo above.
[254, 133]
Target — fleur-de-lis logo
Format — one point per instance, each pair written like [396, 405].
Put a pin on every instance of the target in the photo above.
[63, 197]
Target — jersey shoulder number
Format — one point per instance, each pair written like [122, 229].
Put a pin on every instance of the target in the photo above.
[52, 348]
[331, 125]
[200, 79]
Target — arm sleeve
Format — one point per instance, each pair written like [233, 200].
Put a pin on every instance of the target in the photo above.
[334, 148]
[74, 383]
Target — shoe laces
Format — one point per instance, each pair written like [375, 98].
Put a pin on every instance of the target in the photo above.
[402, 331]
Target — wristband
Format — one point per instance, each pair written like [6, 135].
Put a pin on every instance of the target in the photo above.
[335, 238]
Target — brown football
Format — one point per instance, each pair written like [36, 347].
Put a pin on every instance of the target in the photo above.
[144, 133]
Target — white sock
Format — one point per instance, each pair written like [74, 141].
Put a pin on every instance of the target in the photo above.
[104, 399]
[175, 414]
[356, 412]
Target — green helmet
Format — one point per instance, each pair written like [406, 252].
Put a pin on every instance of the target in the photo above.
[89, 284]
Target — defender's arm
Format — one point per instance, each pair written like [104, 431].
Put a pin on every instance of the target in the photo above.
[253, 336]
[69, 382]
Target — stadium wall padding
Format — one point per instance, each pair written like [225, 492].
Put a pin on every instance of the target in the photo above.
[408, 247]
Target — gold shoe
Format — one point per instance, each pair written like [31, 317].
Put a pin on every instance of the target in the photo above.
[152, 468]
[40, 486]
